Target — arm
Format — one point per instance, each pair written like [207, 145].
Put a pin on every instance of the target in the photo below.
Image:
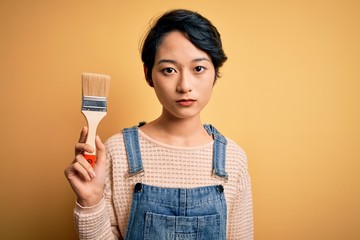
[245, 211]
[240, 213]
[93, 212]
[96, 222]
[240, 207]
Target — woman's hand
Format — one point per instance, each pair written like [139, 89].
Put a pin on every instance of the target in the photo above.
[87, 181]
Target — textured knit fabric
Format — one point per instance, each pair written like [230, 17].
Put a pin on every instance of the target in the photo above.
[171, 167]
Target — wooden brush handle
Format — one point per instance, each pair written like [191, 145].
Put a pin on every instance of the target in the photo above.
[93, 119]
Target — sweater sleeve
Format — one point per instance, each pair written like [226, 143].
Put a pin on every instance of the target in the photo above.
[245, 211]
[99, 221]
[94, 222]
[240, 219]
[240, 213]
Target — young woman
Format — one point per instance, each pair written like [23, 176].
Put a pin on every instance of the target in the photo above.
[174, 177]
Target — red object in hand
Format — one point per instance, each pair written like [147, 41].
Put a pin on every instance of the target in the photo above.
[90, 158]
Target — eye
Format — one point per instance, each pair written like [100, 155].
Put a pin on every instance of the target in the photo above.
[199, 69]
[168, 70]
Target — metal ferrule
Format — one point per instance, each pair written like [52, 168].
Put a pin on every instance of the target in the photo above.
[94, 103]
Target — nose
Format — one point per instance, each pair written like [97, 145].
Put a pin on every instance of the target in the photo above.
[184, 83]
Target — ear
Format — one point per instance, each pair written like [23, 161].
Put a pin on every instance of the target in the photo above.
[149, 81]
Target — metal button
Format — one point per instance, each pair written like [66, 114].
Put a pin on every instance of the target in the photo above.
[138, 187]
[220, 188]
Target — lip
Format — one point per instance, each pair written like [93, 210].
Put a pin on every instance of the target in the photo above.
[186, 102]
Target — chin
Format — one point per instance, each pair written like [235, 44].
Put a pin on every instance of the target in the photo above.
[185, 114]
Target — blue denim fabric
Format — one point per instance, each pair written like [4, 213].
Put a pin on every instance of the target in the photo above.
[176, 213]
[133, 150]
[219, 152]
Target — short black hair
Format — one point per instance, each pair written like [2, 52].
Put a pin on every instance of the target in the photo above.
[199, 30]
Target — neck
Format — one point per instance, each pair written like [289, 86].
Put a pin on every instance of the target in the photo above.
[180, 127]
[179, 132]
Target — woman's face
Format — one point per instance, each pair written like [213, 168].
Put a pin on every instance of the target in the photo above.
[183, 76]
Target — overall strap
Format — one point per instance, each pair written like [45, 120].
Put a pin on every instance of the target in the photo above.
[132, 148]
[219, 152]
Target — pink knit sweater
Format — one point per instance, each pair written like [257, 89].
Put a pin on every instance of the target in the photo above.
[166, 166]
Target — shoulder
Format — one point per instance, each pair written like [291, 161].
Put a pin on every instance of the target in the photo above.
[115, 138]
[233, 151]
[236, 157]
[237, 165]
[114, 142]
[233, 148]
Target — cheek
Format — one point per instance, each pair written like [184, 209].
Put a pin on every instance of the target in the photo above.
[207, 88]
[161, 91]
[209, 91]
[206, 93]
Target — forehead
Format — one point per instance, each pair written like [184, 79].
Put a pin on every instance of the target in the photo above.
[176, 44]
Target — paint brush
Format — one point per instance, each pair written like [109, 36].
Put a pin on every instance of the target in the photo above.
[95, 88]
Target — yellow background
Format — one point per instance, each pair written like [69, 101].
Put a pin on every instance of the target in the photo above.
[289, 95]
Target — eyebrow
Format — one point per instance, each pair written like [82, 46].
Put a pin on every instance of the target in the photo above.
[173, 61]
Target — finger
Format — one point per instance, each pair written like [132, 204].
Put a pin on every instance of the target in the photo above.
[80, 170]
[85, 165]
[83, 147]
[74, 171]
[100, 152]
[83, 134]
[68, 172]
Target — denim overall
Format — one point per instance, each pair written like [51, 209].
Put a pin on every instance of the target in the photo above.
[176, 213]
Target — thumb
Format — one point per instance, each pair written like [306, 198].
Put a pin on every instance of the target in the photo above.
[100, 152]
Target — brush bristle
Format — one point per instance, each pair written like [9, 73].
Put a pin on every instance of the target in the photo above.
[94, 84]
